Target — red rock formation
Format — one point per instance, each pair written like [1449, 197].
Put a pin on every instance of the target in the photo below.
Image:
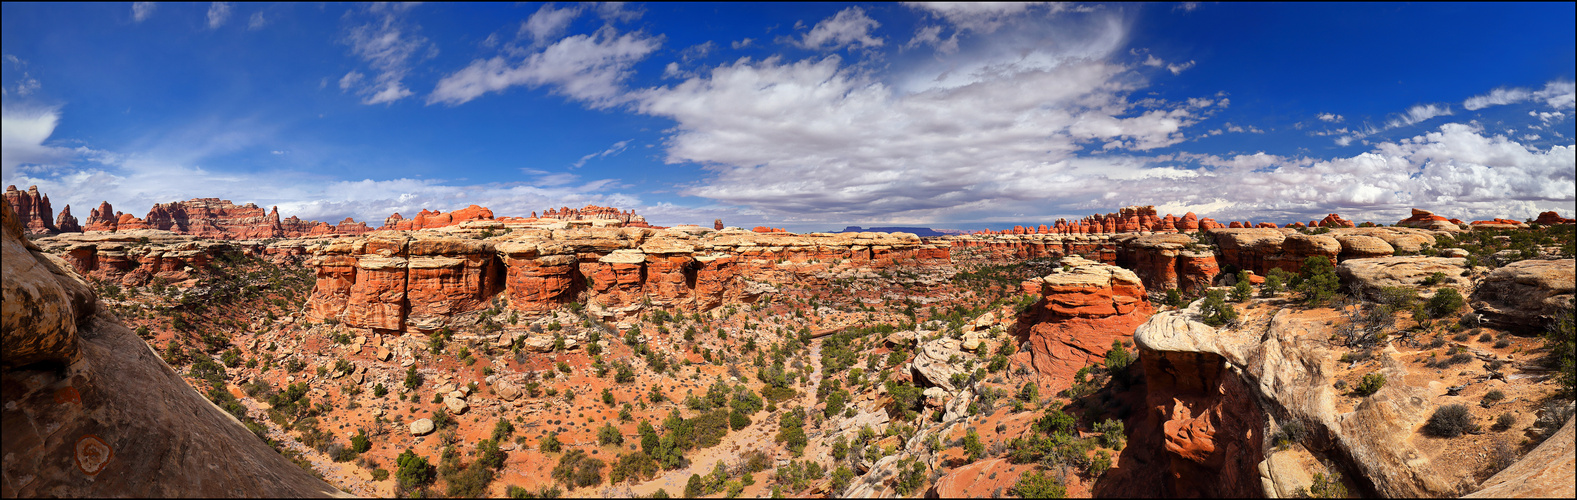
[1427, 220]
[66, 222]
[31, 209]
[1210, 425]
[126, 222]
[716, 224]
[1163, 262]
[1550, 217]
[1334, 220]
[764, 229]
[1082, 310]
[430, 219]
[626, 218]
[102, 218]
[1266, 225]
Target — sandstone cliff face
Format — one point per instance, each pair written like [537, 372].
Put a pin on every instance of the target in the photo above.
[1084, 307]
[91, 411]
[424, 280]
[66, 222]
[135, 257]
[1164, 262]
[1285, 367]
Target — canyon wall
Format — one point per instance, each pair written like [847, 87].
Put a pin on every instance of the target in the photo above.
[1084, 306]
[422, 280]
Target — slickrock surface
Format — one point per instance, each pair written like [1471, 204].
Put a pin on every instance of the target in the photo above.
[1546, 472]
[1524, 295]
[91, 411]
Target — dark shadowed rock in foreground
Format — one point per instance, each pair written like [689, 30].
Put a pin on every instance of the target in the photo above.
[91, 411]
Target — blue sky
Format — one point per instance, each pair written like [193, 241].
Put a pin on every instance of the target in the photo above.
[804, 116]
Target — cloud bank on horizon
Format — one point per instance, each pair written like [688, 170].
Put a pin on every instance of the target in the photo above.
[808, 117]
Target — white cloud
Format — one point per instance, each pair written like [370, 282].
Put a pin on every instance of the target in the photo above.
[848, 28]
[1152, 61]
[740, 44]
[218, 13]
[1178, 69]
[589, 68]
[1418, 114]
[22, 137]
[1330, 117]
[981, 17]
[389, 45]
[548, 23]
[618, 12]
[932, 35]
[1556, 94]
[615, 149]
[256, 22]
[141, 10]
[1186, 6]
[350, 80]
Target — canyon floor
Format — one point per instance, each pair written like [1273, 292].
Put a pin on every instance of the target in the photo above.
[994, 371]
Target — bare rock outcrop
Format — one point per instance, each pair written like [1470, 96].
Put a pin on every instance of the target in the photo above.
[1371, 275]
[1287, 368]
[91, 410]
[1546, 472]
[1523, 296]
[1084, 306]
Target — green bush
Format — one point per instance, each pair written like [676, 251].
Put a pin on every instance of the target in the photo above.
[1216, 311]
[1034, 484]
[414, 471]
[578, 470]
[1317, 280]
[1370, 384]
[549, 443]
[1445, 302]
[1450, 421]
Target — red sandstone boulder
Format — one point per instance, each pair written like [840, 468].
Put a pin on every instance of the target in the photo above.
[102, 218]
[1425, 219]
[1334, 220]
[1548, 218]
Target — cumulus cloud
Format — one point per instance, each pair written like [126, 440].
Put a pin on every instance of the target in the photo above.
[1178, 69]
[740, 44]
[141, 10]
[981, 17]
[390, 46]
[848, 28]
[618, 12]
[1330, 117]
[218, 13]
[590, 68]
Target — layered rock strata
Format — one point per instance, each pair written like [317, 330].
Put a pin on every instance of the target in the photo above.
[91, 410]
[421, 280]
[31, 209]
[1084, 306]
[1524, 296]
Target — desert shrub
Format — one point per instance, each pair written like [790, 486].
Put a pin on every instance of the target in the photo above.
[1370, 384]
[414, 471]
[1034, 484]
[1561, 340]
[1112, 435]
[549, 443]
[1450, 421]
[973, 446]
[1118, 358]
[1242, 291]
[1445, 302]
[576, 469]
[1216, 311]
[1492, 397]
[1435, 279]
[1292, 431]
[1317, 280]
[1327, 486]
[1505, 421]
[609, 434]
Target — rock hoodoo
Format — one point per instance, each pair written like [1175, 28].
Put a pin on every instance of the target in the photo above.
[31, 209]
[1084, 306]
